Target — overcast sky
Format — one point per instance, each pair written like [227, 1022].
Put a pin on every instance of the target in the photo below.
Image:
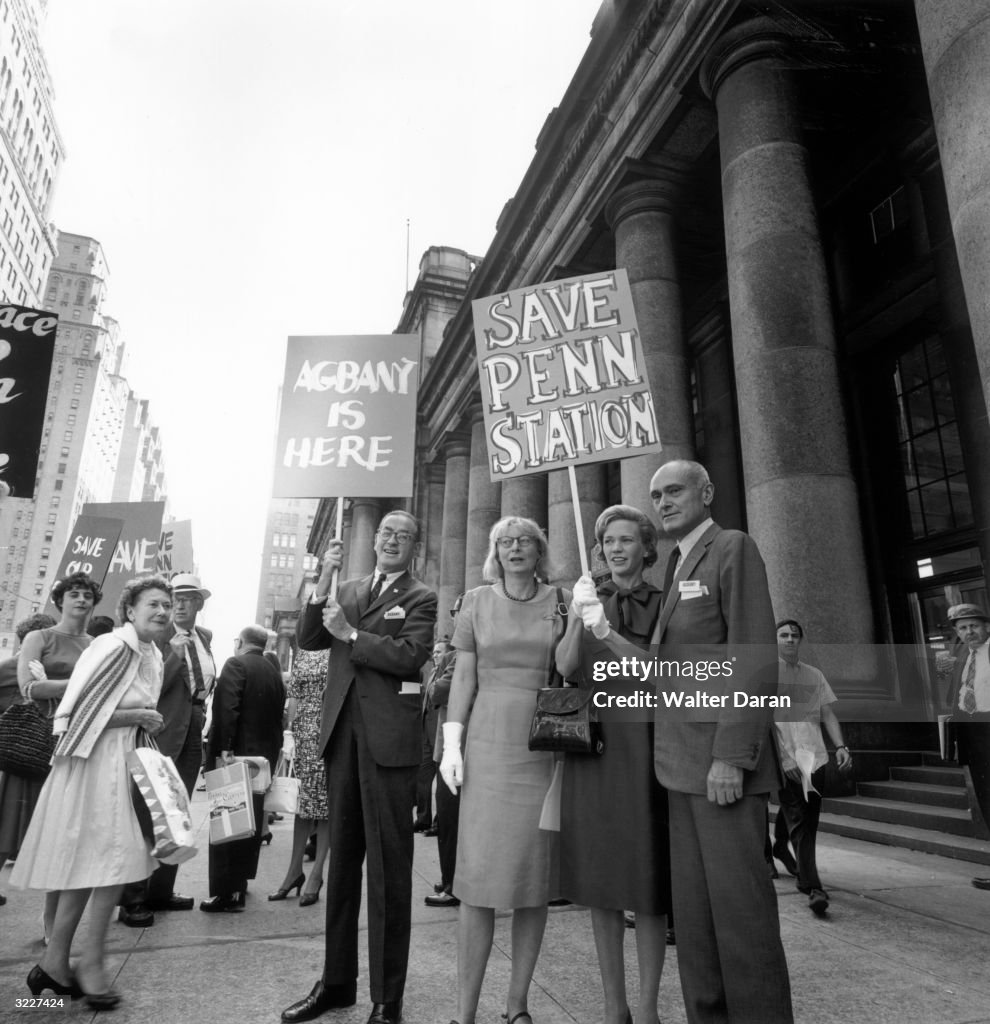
[249, 167]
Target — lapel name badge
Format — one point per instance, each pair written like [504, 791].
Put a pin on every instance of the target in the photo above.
[396, 613]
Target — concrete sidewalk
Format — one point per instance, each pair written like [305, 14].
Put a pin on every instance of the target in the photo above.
[907, 940]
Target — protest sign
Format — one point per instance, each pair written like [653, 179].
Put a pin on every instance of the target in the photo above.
[563, 379]
[175, 548]
[27, 346]
[90, 547]
[136, 551]
[347, 423]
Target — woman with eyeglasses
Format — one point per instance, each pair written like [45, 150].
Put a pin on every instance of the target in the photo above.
[614, 844]
[505, 638]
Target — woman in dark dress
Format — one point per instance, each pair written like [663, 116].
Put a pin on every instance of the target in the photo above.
[614, 852]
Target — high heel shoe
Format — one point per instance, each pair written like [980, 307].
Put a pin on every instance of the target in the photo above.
[296, 883]
[39, 979]
[102, 1000]
[307, 899]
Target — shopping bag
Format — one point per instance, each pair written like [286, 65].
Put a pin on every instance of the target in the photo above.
[260, 771]
[283, 794]
[228, 790]
[161, 804]
[550, 811]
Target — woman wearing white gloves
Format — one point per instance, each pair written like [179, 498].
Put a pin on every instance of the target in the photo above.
[614, 846]
[505, 639]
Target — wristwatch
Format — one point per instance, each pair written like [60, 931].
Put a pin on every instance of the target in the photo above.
[352, 636]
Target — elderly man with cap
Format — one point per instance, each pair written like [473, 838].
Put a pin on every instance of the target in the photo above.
[188, 675]
[969, 702]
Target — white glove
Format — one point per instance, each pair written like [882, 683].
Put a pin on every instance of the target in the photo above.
[37, 670]
[584, 594]
[288, 745]
[452, 764]
[593, 617]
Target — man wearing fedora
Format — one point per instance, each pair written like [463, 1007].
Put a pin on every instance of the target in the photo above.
[188, 675]
[969, 702]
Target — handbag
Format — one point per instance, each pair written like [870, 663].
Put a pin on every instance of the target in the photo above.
[26, 741]
[565, 719]
[283, 794]
[158, 795]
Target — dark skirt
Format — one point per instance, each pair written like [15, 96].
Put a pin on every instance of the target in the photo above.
[18, 798]
[614, 842]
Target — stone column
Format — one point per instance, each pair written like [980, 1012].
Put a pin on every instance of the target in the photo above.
[457, 452]
[801, 499]
[433, 539]
[484, 503]
[641, 216]
[565, 558]
[955, 41]
[365, 514]
[526, 496]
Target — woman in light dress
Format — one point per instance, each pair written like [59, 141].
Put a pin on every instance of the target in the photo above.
[505, 639]
[84, 841]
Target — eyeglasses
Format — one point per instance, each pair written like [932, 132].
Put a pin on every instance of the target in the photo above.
[524, 542]
[402, 536]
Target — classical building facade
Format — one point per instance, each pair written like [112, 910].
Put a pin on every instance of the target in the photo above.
[798, 194]
[31, 154]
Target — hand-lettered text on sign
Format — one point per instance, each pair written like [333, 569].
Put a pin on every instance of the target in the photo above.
[563, 379]
[348, 413]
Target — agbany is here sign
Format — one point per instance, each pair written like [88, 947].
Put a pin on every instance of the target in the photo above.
[347, 423]
[563, 380]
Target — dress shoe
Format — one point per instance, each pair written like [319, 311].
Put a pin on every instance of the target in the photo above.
[320, 999]
[818, 902]
[137, 915]
[174, 901]
[307, 899]
[102, 1000]
[222, 904]
[3, 899]
[280, 894]
[309, 850]
[420, 826]
[39, 980]
[267, 839]
[432, 832]
[629, 919]
[386, 1013]
[442, 899]
[784, 855]
[559, 902]
[981, 883]
[671, 937]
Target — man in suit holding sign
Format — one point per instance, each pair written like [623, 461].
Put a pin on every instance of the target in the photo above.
[380, 632]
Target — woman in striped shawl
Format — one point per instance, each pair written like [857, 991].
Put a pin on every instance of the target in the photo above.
[84, 840]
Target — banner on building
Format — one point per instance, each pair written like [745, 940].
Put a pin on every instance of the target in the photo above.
[175, 548]
[563, 379]
[347, 423]
[136, 550]
[27, 346]
[90, 548]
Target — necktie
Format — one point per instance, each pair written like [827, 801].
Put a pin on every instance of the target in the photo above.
[668, 576]
[969, 687]
[199, 684]
[376, 589]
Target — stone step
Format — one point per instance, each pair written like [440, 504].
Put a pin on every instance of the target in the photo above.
[916, 793]
[941, 775]
[898, 812]
[908, 837]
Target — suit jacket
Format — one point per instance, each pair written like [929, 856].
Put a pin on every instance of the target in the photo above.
[175, 701]
[247, 709]
[733, 621]
[391, 647]
[959, 716]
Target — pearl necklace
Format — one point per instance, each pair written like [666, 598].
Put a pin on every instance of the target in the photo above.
[520, 600]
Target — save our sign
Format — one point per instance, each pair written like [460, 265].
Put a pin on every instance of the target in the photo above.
[563, 380]
[90, 547]
[347, 422]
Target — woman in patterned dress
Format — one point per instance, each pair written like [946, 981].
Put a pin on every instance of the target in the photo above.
[305, 693]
